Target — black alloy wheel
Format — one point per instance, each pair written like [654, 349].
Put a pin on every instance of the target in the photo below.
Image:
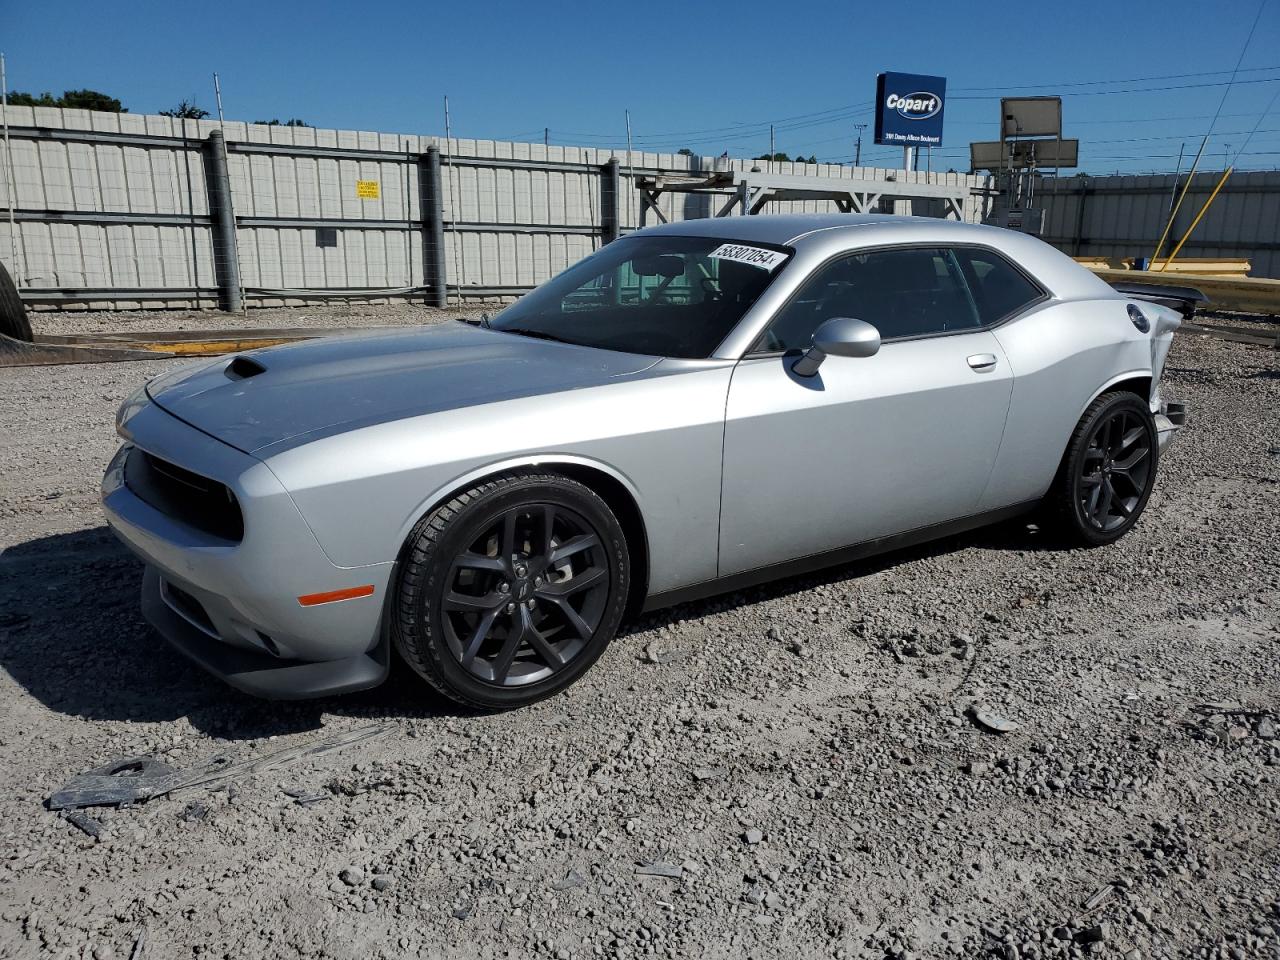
[1108, 470]
[527, 595]
[1115, 470]
[509, 592]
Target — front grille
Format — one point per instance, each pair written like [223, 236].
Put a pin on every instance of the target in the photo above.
[206, 505]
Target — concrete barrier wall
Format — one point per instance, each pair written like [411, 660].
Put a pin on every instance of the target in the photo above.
[1123, 217]
[109, 205]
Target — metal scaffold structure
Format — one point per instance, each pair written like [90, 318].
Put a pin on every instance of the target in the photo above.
[1030, 142]
[748, 192]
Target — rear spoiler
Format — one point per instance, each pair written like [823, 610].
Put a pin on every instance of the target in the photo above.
[1181, 299]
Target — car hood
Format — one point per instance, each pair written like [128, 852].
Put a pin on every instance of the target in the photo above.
[307, 390]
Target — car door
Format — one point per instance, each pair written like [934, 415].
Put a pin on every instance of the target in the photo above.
[867, 447]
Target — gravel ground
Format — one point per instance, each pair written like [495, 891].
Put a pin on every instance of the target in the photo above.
[797, 764]
[83, 322]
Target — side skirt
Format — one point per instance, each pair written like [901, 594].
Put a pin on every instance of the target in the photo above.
[833, 558]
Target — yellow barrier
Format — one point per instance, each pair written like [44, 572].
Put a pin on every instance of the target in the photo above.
[1105, 263]
[1202, 266]
[1246, 294]
[1209, 267]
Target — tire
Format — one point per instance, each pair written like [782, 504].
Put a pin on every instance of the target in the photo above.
[1107, 472]
[497, 610]
[13, 315]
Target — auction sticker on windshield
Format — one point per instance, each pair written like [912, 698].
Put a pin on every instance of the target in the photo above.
[754, 256]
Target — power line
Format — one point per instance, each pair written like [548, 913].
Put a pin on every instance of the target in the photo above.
[841, 114]
[1094, 83]
[1262, 116]
[1183, 86]
[1239, 60]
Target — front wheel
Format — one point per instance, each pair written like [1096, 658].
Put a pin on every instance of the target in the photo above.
[509, 592]
[1108, 470]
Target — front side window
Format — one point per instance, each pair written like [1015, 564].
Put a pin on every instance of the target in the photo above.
[659, 295]
[907, 292]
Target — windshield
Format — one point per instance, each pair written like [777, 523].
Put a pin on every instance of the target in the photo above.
[659, 295]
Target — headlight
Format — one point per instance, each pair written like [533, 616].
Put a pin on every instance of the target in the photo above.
[137, 400]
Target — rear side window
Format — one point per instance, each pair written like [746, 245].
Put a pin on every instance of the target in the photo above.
[999, 288]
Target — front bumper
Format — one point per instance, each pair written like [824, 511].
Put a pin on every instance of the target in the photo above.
[260, 674]
[1169, 421]
[233, 605]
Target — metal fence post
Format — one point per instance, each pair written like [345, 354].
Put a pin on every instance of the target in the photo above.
[431, 195]
[1078, 233]
[226, 266]
[610, 187]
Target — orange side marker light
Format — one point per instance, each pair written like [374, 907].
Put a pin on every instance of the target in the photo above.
[333, 596]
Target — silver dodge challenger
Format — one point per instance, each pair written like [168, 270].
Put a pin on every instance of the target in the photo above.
[692, 409]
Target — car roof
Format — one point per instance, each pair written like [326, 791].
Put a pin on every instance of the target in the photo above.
[774, 228]
[1065, 278]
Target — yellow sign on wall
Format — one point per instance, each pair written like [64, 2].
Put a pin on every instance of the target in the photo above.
[368, 189]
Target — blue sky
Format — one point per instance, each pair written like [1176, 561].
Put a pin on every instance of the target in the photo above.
[709, 81]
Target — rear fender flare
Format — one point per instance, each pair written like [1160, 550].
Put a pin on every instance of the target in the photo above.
[1139, 374]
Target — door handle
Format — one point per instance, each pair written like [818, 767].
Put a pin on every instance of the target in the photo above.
[982, 361]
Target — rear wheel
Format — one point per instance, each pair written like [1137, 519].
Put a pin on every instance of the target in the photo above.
[1108, 470]
[511, 591]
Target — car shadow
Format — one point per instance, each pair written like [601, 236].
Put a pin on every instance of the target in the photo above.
[1015, 535]
[72, 635]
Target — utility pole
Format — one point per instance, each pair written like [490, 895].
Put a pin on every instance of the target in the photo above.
[857, 147]
[459, 266]
[232, 270]
[628, 116]
[546, 136]
[10, 188]
[772, 147]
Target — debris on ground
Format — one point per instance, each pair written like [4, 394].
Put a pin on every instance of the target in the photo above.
[137, 779]
[992, 721]
[669, 870]
[121, 782]
[1099, 896]
[84, 823]
[193, 811]
[570, 881]
[304, 797]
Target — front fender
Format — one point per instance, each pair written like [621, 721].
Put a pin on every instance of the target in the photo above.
[464, 481]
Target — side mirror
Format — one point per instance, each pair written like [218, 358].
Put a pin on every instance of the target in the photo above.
[839, 337]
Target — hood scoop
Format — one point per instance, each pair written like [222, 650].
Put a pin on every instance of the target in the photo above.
[242, 368]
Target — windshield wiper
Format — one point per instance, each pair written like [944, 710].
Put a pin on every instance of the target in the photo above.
[469, 321]
[537, 334]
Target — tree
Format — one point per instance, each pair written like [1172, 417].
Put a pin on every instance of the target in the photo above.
[91, 100]
[70, 99]
[685, 152]
[291, 122]
[186, 110]
[778, 157]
